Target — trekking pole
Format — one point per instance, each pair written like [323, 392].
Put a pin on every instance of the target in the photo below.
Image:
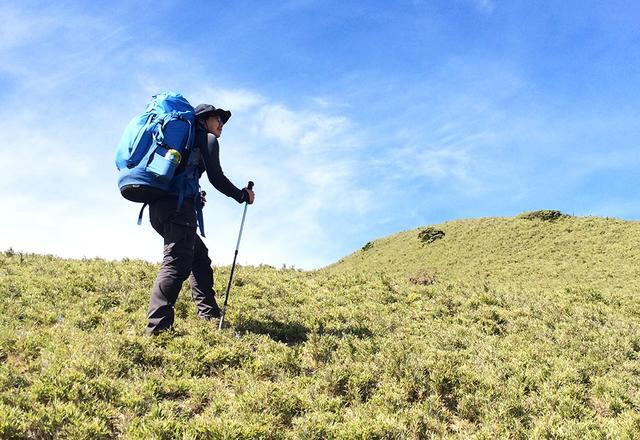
[233, 266]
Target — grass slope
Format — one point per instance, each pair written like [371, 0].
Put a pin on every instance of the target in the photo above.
[503, 328]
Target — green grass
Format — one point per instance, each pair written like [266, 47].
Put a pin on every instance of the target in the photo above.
[525, 327]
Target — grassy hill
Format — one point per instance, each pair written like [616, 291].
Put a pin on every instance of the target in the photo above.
[525, 327]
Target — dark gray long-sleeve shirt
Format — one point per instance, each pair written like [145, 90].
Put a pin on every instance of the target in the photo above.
[210, 151]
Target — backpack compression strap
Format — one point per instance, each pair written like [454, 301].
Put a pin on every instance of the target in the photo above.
[199, 213]
[141, 213]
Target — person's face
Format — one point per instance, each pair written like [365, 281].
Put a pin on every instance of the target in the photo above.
[214, 125]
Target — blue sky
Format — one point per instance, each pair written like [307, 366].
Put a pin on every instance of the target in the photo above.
[355, 119]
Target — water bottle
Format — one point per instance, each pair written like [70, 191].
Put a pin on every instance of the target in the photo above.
[164, 166]
[174, 156]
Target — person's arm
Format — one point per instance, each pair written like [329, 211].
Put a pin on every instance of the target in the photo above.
[211, 157]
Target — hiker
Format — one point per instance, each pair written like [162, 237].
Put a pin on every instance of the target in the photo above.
[185, 255]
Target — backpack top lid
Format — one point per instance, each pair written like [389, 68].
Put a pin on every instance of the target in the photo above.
[171, 102]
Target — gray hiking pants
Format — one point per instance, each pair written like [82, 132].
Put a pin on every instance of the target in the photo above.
[185, 256]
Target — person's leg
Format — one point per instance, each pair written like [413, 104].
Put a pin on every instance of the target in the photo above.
[179, 237]
[201, 281]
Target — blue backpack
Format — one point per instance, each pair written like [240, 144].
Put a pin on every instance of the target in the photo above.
[151, 150]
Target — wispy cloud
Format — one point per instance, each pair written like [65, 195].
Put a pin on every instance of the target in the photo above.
[20, 27]
[322, 179]
[341, 132]
[305, 165]
[486, 6]
[302, 160]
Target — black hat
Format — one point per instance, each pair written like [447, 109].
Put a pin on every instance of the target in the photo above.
[204, 109]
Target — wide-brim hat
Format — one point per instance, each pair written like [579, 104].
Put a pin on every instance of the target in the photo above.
[205, 109]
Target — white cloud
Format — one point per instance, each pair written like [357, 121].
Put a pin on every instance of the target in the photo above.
[323, 178]
[43, 49]
[305, 167]
[304, 131]
[64, 199]
[20, 28]
[486, 6]
[236, 99]
[316, 180]
[315, 177]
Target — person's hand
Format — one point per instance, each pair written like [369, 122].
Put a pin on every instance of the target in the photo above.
[203, 199]
[252, 195]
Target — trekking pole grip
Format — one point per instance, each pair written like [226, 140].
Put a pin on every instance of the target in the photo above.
[250, 185]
